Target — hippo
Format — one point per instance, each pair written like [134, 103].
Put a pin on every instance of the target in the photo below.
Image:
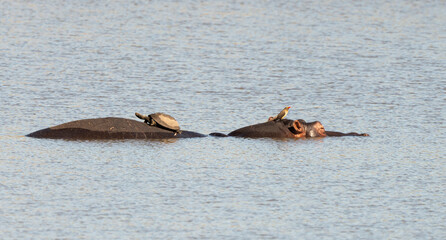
[109, 128]
[286, 128]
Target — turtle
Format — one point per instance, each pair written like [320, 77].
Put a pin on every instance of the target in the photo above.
[161, 120]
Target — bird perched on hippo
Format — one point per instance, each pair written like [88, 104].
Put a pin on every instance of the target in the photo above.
[281, 115]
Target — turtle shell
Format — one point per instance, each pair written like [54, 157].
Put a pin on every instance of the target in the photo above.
[166, 121]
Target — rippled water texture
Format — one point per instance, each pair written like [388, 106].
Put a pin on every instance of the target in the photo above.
[366, 66]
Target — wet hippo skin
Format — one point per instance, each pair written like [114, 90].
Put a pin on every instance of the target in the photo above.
[272, 129]
[286, 128]
[109, 128]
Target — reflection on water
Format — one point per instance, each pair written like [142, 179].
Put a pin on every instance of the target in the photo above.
[218, 66]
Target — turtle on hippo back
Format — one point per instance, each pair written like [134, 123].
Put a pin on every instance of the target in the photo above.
[161, 120]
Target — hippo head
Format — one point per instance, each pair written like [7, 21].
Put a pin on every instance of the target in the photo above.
[300, 128]
[312, 129]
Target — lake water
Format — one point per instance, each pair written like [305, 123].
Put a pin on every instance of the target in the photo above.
[375, 66]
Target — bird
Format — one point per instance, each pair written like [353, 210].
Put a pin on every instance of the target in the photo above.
[282, 114]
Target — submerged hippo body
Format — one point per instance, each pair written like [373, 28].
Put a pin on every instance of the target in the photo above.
[109, 128]
[286, 128]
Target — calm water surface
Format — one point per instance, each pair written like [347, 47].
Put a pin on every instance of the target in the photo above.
[375, 67]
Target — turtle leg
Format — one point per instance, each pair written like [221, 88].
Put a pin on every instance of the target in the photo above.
[152, 122]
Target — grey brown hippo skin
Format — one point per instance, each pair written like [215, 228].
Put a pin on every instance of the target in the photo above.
[109, 128]
[286, 128]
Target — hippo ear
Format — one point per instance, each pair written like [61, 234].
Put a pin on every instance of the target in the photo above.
[297, 129]
[298, 125]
